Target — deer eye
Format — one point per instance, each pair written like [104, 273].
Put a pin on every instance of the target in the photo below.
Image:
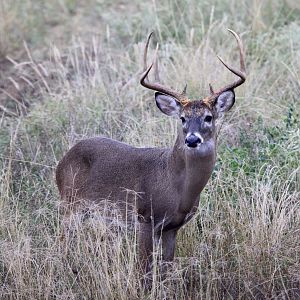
[208, 119]
[182, 119]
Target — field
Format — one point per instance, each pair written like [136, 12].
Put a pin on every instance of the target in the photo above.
[69, 69]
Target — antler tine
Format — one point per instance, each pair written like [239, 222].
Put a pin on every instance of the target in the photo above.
[146, 51]
[240, 73]
[241, 50]
[211, 89]
[156, 86]
[184, 90]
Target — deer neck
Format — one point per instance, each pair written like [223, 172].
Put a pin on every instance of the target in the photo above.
[193, 167]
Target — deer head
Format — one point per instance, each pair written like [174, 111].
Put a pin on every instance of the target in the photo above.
[197, 116]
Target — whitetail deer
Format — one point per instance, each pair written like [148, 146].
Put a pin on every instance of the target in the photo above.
[169, 181]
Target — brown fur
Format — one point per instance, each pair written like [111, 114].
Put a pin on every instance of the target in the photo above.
[196, 107]
[168, 181]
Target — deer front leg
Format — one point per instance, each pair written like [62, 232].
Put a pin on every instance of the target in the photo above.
[145, 240]
[168, 244]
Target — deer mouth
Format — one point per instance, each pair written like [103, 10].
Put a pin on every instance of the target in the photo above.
[204, 148]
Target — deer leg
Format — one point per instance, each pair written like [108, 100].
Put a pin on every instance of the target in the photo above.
[168, 241]
[145, 240]
[168, 244]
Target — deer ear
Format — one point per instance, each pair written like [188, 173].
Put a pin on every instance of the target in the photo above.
[224, 102]
[167, 104]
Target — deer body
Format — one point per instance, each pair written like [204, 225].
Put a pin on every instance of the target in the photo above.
[177, 177]
[168, 181]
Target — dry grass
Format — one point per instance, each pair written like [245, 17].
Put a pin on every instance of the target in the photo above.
[245, 242]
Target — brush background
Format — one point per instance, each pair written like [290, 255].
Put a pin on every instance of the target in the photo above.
[69, 69]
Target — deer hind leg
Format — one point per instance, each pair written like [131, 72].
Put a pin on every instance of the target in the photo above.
[68, 206]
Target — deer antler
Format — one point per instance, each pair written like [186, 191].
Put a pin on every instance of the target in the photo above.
[156, 86]
[240, 73]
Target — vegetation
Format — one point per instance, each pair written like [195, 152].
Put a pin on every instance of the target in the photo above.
[76, 75]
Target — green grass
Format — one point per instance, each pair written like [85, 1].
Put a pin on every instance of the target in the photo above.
[86, 57]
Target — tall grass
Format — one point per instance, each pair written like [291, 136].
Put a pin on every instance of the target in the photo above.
[244, 242]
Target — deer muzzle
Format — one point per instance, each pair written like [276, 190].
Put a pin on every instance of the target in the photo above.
[192, 140]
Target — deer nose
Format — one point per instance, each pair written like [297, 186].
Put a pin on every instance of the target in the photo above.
[192, 140]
